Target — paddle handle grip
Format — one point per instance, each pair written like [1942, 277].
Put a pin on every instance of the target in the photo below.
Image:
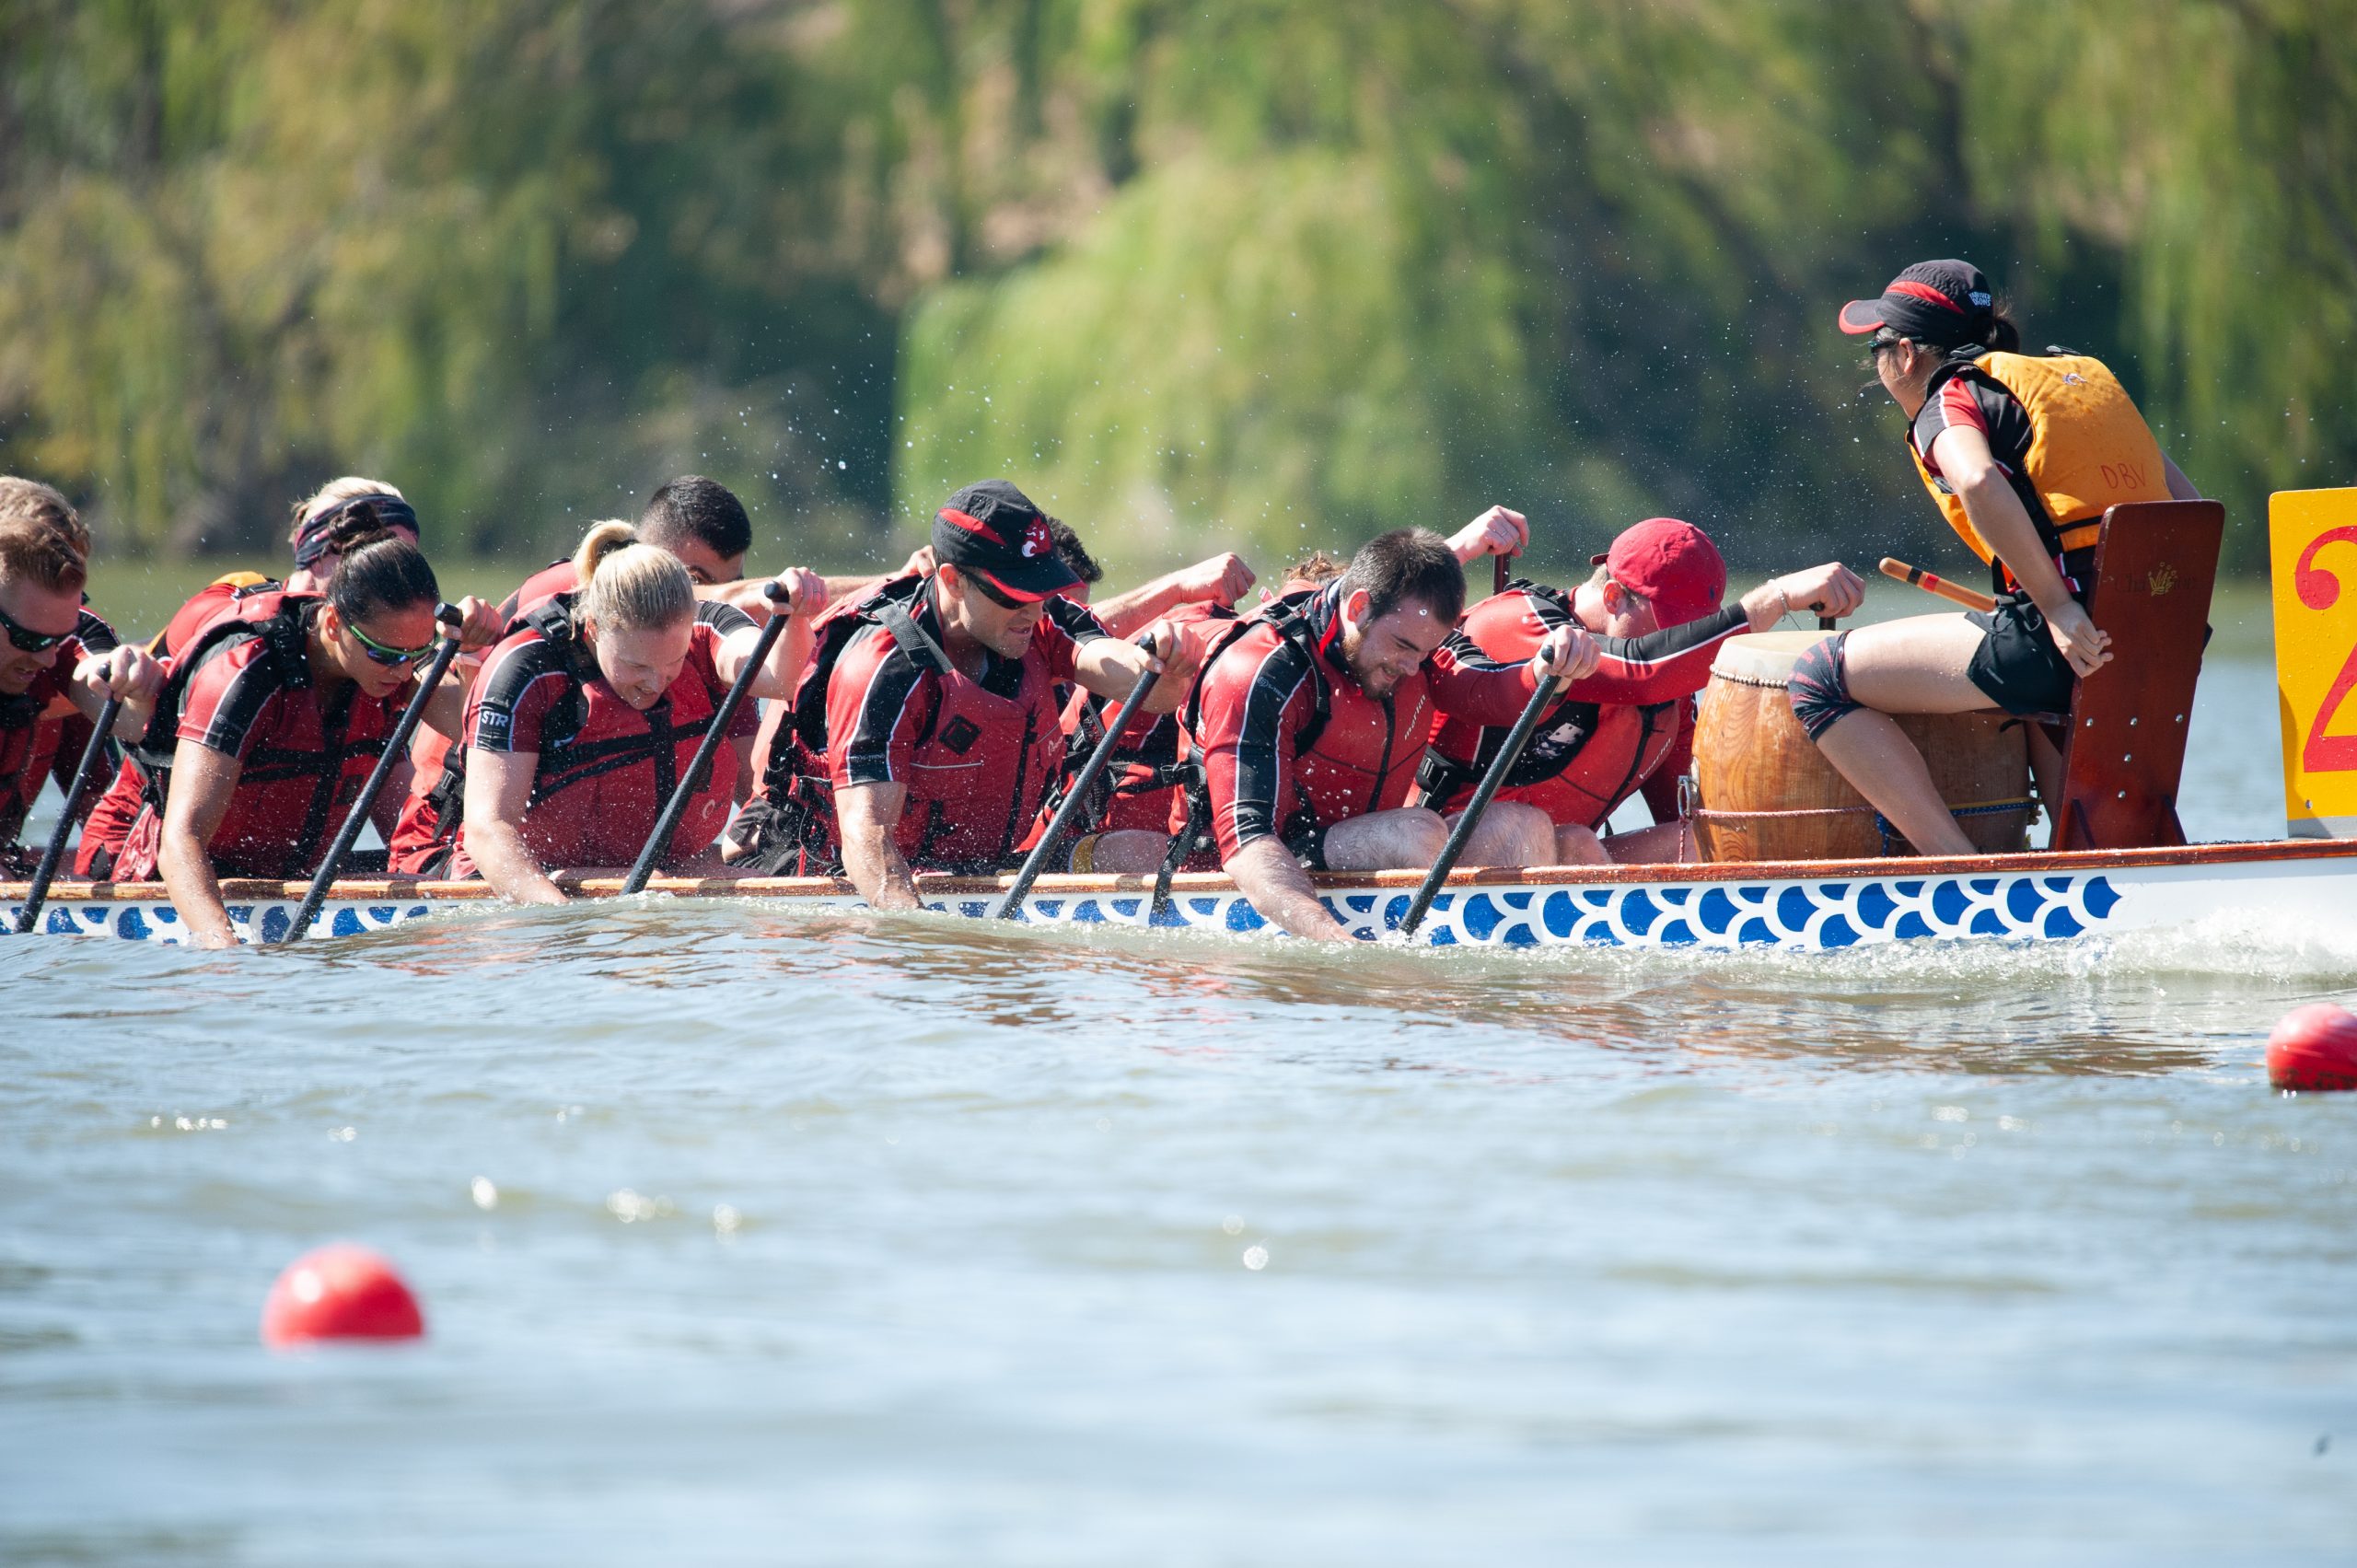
[1931, 583]
[395, 747]
[673, 808]
[38, 894]
[1077, 795]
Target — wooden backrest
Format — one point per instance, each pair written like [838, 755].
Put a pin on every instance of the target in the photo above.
[2155, 563]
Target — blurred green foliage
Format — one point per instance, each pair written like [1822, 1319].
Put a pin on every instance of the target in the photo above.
[1271, 272]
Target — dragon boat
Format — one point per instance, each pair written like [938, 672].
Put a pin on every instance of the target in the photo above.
[2118, 864]
[1814, 905]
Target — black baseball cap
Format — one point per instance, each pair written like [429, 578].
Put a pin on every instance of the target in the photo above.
[1942, 303]
[993, 530]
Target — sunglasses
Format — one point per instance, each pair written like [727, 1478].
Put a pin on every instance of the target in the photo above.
[24, 639]
[385, 653]
[989, 590]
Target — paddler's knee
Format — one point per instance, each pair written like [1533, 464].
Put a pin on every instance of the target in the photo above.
[1575, 845]
[1819, 687]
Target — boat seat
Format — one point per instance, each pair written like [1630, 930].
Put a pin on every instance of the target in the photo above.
[2123, 752]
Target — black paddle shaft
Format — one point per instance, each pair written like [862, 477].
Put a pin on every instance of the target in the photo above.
[1077, 793]
[47, 871]
[396, 747]
[686, 788]
[1508, 755]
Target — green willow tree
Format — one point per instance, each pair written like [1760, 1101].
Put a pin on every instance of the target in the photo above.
[1265, 272]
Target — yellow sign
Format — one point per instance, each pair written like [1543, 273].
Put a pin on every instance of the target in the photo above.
[2312, 539]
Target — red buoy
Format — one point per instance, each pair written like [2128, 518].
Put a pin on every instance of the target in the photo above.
[339, 1292]
[2314, 1048]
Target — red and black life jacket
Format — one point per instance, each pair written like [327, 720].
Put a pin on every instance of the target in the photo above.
[1583, 760]
[1141, 784]
[605, 768]
[34, 749]
[982, 763]
[289, 799]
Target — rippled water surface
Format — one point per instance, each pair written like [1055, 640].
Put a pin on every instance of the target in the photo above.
[757, 1237]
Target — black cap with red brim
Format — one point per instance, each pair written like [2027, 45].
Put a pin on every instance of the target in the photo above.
[993, 530]
[1942, 303]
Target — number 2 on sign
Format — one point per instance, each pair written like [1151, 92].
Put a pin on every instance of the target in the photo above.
[2317, 588]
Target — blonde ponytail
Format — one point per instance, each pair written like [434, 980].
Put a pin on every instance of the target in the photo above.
[630, 586]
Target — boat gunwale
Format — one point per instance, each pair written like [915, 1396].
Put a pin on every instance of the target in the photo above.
[606, 882]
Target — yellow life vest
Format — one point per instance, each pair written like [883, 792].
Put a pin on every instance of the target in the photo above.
[2089, 448]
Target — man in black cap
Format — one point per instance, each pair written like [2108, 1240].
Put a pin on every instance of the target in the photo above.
[929, 714]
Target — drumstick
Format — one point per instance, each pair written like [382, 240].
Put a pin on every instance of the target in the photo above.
[1931, 583]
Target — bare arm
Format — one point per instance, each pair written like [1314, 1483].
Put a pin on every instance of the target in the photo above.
[1971, 469]
[499, 786]
[1221, 580]
[203, 782]
[1272, 878]
[805, 596]
[867, 815]
[1110, 667]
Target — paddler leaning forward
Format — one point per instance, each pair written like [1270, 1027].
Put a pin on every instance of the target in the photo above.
[1310, 716]
[585, 719]
[58, 662]
[271, 718]
[2023, 454]
[1652, 604]
[929, 727]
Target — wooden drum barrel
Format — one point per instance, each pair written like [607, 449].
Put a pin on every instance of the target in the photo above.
[1764, 792]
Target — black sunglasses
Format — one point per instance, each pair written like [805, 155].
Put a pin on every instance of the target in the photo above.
[989, 590]
[25, 640]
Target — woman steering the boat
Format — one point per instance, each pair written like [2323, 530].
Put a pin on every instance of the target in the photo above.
[582, 723]
[273, 714]
[2022, 454]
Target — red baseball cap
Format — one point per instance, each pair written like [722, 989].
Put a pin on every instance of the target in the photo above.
[1673, 565]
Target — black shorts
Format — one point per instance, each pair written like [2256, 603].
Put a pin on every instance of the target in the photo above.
[2017, 666]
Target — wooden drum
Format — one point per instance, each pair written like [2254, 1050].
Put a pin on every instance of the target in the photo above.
[1764, 792]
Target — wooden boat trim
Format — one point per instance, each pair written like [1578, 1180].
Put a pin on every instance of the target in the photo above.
[608, 882]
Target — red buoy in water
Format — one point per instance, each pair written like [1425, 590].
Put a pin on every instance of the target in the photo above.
[339, 1292]
[2314, 1048]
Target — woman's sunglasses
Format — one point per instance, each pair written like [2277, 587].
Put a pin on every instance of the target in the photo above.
[24, 639]
[385, 653]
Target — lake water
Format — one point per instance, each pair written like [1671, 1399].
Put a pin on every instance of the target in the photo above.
[755, 1238]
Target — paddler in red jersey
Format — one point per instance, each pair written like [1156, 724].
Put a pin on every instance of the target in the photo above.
[58, 662]
[584, 721]
[1653, 604]
[2023, 454]
[928, 726]
[1309, 719]
[271, 717]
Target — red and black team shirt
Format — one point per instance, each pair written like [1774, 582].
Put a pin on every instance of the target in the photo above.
[879, 699]
[303, 755]
[516, 695]
[1258, 693]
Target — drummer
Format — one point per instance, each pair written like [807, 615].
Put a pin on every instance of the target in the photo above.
[2022, 454]
[1653, 604]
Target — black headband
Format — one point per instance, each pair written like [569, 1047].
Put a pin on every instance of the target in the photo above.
[311, 539]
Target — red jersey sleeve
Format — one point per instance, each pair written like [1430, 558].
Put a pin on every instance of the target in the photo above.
[514, 694]
[1466, 683]
[878, 700]
[1255, 699]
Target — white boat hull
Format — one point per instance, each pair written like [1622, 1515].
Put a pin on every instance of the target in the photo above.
[2030, 898]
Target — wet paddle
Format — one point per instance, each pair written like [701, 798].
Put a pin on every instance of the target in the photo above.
[47, 871]
[1073, 796]
[1508, 755]
[686, 789]
[1931, 582]
[395, 747]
